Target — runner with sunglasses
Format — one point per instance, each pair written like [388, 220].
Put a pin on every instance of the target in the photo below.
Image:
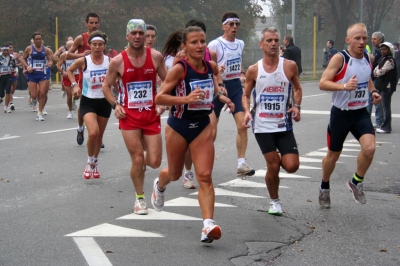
[229, 58]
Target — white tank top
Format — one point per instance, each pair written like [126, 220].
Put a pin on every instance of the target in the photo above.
[93, 78]
[229, 54]
[271, 100]
[357, 99]
[69, 62]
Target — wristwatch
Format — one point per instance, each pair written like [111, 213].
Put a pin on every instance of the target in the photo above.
[73, 84]
[113, 105]
[298, 106]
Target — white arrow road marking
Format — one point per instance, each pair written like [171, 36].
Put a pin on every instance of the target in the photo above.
[56, 131]
[109, 230]
[223, 192]
[92, 252]
[244, 183]
[309, 160]
[317, 153]
[154, 215]
[241, 183]
[8, 136]
[188, 202]
[281, 174]
[344, 149]
[309, 167]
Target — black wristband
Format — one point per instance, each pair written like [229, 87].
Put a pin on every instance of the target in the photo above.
[375, 91]
[219, 94]
[221, 85]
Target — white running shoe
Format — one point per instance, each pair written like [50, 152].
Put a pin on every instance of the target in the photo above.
[44, 112]
[188, 180]
[275, 207]
[157, 197]
[140, 207]
[69, 116]
[39, 117]
[63, 94]
[210, 233]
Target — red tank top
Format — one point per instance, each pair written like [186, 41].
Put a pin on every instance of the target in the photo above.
[138, 85]
[85, 45]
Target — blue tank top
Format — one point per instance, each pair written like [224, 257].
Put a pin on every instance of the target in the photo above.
[193, 80]
[37, 61]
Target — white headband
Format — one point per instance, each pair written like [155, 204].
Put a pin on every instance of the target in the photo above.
[229, 20]
[97, 38]
[5, 48]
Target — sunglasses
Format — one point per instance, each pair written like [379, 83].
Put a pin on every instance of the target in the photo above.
[231, 24]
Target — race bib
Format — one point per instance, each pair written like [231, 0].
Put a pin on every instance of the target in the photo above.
[38, 65]
[68, 64]
[271, 106]
[4, 70]
[207, 86]
[359, 97]
[97, 78]
[140, 94]
[233, 68]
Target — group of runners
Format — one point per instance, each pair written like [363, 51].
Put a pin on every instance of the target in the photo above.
[199, 81]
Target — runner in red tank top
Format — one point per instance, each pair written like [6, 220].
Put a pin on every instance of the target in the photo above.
[139, 117]
[82, 48]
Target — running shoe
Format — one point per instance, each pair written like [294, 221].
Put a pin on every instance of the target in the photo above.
[34, 105]
[324, 198]
[357, 190]
[69, 115]
[44, 112]
[157, 197]
[210, 233]
[5, 109]
[39, 117]
[95, 171]
[377, 126]
[63, 94]
[245, 170]
[74, 105]
[88, 171]
[80, 137]
[140, 207]
[188, 181]
[103, 146]
[12, 107]
[381, 131]
[275, 207]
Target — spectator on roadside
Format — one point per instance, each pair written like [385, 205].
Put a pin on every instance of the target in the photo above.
[386, 79]
[292, 52]
[329, 51]
[377, 38]
[396, 55]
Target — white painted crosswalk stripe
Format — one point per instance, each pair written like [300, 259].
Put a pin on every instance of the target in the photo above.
[154, 215]
[109, 230]
[261, 173]
[223, 192]
[189, 202]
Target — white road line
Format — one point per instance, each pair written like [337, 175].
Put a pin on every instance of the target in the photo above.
[93, 254]
[154, 215]
[56, 131]
[7, 136]
[315, 95]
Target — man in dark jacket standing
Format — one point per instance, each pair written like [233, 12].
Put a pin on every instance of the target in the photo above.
[292, 52]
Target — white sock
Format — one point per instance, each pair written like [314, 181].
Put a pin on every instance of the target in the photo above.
[208, 222]
[90, 159]
[81, 128]
[241, 161]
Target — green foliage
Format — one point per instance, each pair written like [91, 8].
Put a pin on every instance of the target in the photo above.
[22, 18]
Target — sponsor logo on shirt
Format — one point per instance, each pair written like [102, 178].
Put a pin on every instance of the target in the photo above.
[130, 70]
[148, 71]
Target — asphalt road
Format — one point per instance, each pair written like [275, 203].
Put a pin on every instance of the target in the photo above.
[50, 215]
